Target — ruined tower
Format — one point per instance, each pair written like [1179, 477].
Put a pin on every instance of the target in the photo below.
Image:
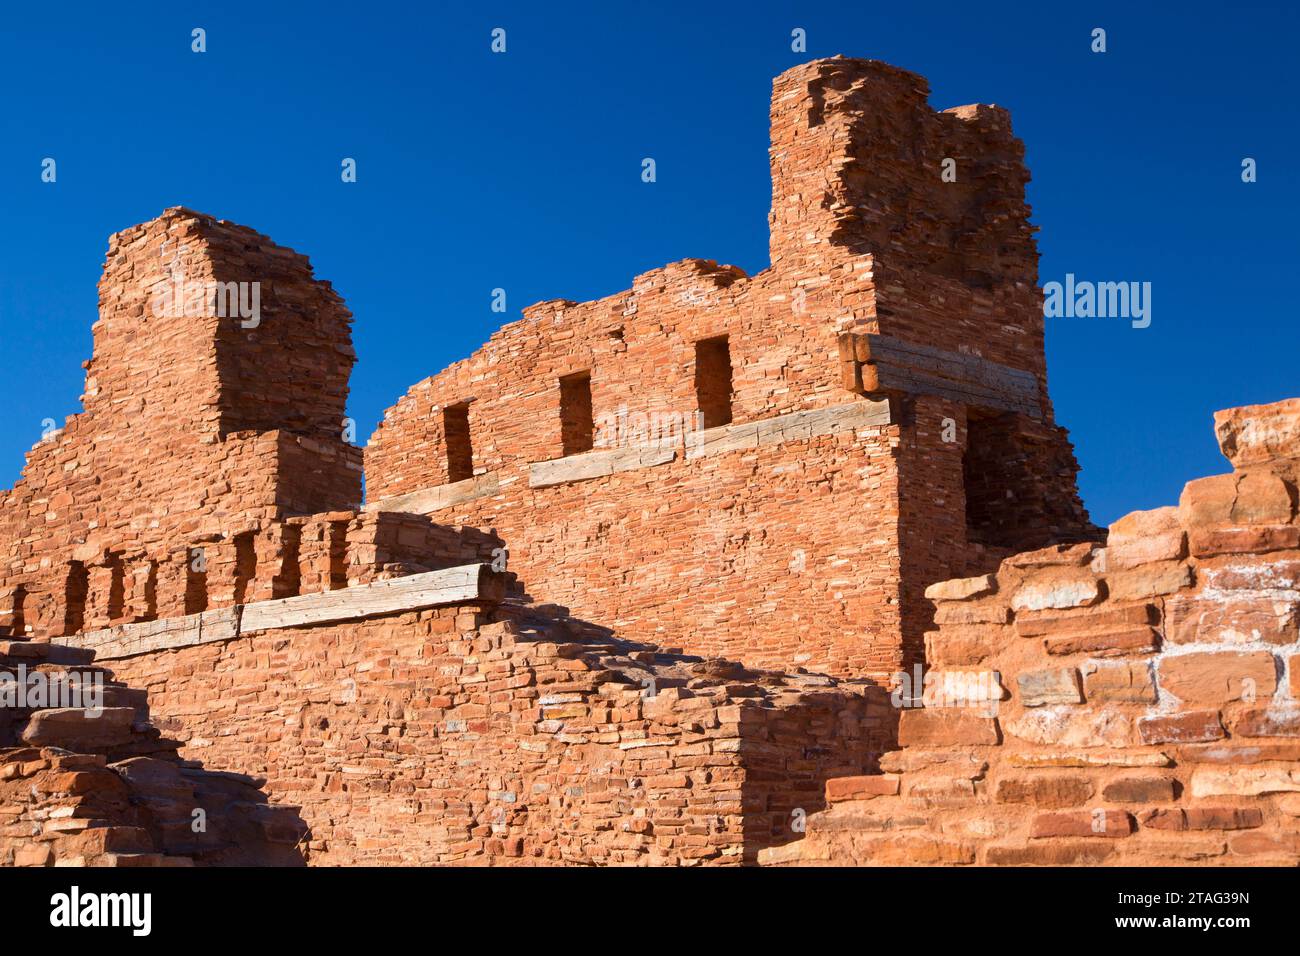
[213, 406]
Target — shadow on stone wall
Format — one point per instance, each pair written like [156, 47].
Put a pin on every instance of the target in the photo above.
[796, 730]
[789, 754]
[97, 784]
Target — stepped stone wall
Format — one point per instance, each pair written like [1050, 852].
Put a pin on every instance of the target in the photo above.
[96, 784]
[768, 467]
[510, 734]
[1137, 703]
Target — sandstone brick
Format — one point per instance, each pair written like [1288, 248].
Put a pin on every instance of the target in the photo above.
[1088, 853]
[957, 647]
[926, 727]
[34, 854]
[1149, 580]
[1189, 727]
[1289, 804]
[1179, 847]
[1234, 620]
[917, 851]
[1207, 501]
[1058, 685]
[1130, 682]
[962, 589]
[1255, 573]
[72, 727]
[859, 788]
[940, 790]
[1240, 751]
[1285, 846]
[1089, 758]
[1045, 790]
[1056, 592]
[1239, 499]
[1143, 537]
[1258, 434]
[1243, 781]
[1137, 640]
[1208, 542]
[1202, 818]
[1171, 546]
[1139, 790]
[1112, 824]
[1142, 525]
[1104, 617]
[1065, 727]
[1263, 498]
[978, 612]
[912, 759]
[1218, 677]
[975, 691]
[1057, 555]
[1267, 721]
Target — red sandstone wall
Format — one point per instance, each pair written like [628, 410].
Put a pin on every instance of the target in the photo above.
[662, 551]
[442, 736]
[202, 434]
[640, 349]
[751, 555]
[1148, 693]
[898, 303]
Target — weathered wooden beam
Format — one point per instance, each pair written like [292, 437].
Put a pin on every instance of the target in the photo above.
[596, 464]
[127, 640]
[424, 501]
[795, 426]
[468, 583]
[880, 363]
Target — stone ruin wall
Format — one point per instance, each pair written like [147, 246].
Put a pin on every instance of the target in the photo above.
[1146, 708]
[1145, 712]
[831, 498]
[472, 734]
[802, 533]
[195, 431]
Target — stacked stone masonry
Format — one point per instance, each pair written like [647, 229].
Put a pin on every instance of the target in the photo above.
[511, 734]
[634, 583]
[198, 434]
[809, 549]
[1133, 704]
[835, 475]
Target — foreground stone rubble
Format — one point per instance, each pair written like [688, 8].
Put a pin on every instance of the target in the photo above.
[1147, 703]
[650, 580]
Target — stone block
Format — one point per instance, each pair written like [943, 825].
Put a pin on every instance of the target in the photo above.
[1057, 685]
[1190, 727]
[948, 727]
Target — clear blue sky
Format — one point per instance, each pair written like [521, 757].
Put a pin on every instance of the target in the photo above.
[522, 171]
